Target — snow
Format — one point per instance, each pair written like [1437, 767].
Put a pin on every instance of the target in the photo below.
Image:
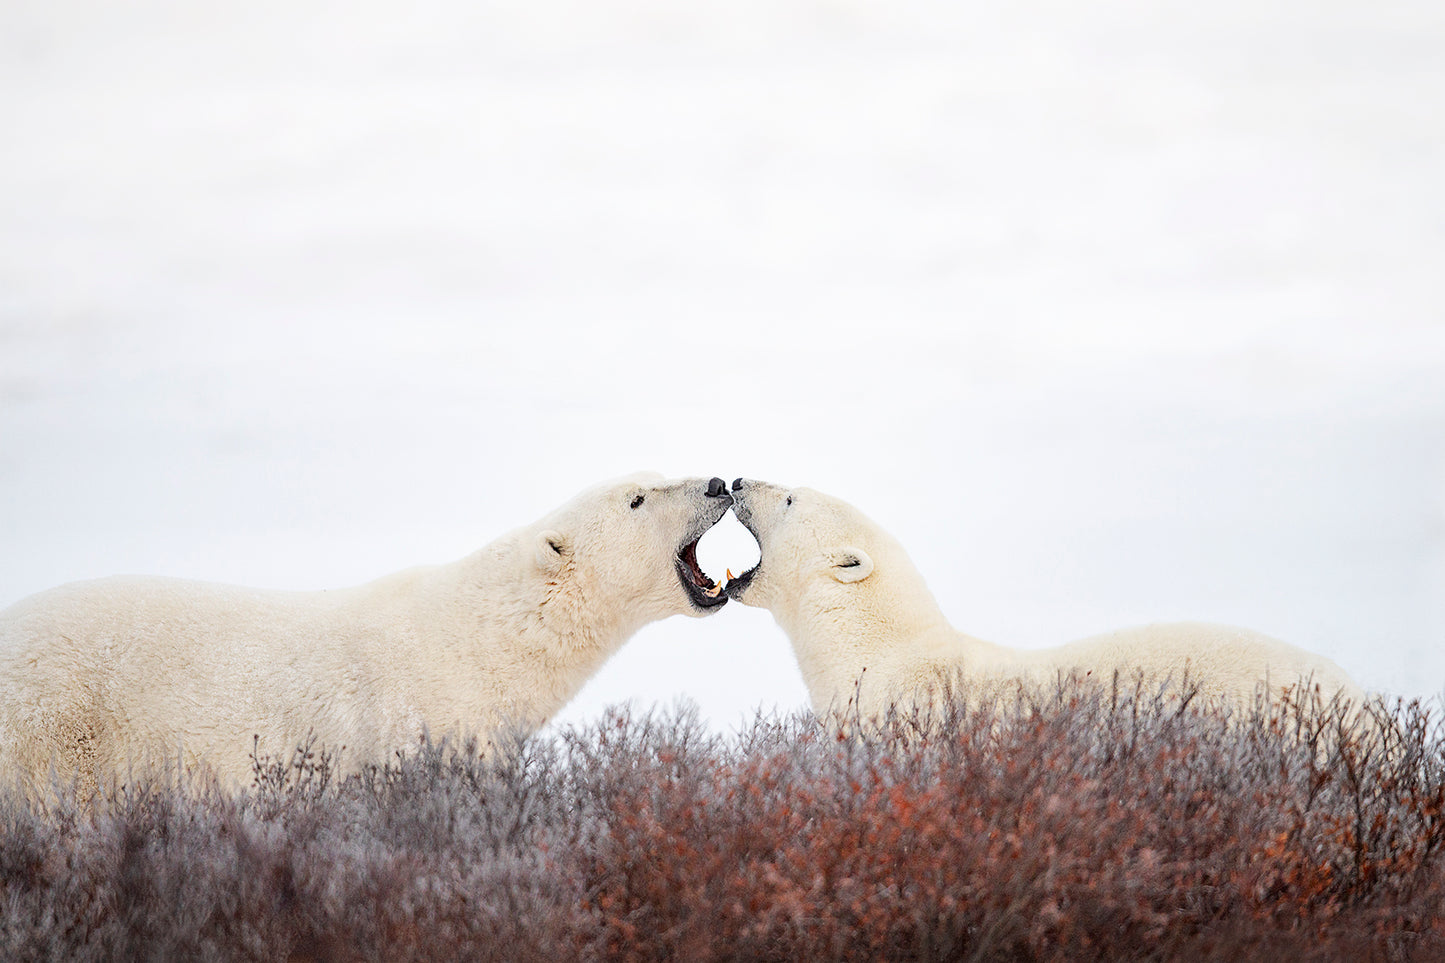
[1111, 312]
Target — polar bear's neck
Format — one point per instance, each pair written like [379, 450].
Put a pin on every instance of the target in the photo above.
[519, 659]
[877, 637]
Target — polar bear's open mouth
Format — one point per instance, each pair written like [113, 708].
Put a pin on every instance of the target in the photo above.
[704, 592]
[739, 583]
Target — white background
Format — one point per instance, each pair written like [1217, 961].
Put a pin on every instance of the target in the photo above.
[1111, 311]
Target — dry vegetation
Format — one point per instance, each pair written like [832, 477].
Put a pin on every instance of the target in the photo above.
[1072, 825]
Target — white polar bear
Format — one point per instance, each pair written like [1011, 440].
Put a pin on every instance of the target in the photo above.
[850, 600]
[98, 677]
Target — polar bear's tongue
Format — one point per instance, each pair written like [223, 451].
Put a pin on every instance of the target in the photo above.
[695, 574]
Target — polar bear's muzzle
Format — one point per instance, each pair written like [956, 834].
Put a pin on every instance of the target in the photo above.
[738, 584]
[702, 591]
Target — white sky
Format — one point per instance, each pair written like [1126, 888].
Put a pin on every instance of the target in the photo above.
[1112, 312]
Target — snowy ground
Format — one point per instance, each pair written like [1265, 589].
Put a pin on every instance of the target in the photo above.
[1112, 312]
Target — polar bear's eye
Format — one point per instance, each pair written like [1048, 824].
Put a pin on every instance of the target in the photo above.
[789, 500]
[637, 501]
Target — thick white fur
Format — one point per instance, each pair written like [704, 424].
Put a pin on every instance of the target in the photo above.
[98, 677]
[850, 600]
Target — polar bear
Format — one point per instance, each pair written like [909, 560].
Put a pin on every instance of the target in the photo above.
[850, 599]
[99, 677]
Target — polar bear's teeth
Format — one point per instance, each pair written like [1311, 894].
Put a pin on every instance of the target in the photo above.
[716, 590]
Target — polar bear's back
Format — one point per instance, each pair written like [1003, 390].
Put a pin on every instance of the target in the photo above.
[1225, 661]
[92, 673]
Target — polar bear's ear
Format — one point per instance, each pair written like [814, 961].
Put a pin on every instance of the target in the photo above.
[850, 564]
[551, 549]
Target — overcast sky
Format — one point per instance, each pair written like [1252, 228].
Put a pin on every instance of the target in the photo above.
[1112, 312]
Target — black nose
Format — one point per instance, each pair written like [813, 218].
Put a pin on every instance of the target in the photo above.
[737, 483]
[716, 487]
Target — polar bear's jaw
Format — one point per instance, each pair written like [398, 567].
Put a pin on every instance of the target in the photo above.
[738, 584]
[701, 590]
[744, 510]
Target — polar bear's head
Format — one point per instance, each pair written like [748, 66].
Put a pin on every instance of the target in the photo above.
[630, 546]
[820, 557]
[808, 541]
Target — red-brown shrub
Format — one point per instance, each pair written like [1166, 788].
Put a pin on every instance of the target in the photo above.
[1074, 824]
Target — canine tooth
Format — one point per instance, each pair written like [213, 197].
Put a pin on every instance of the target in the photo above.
[712, 592]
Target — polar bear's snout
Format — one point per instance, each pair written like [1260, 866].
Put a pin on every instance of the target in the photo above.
[756, 504]
[704, 593]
